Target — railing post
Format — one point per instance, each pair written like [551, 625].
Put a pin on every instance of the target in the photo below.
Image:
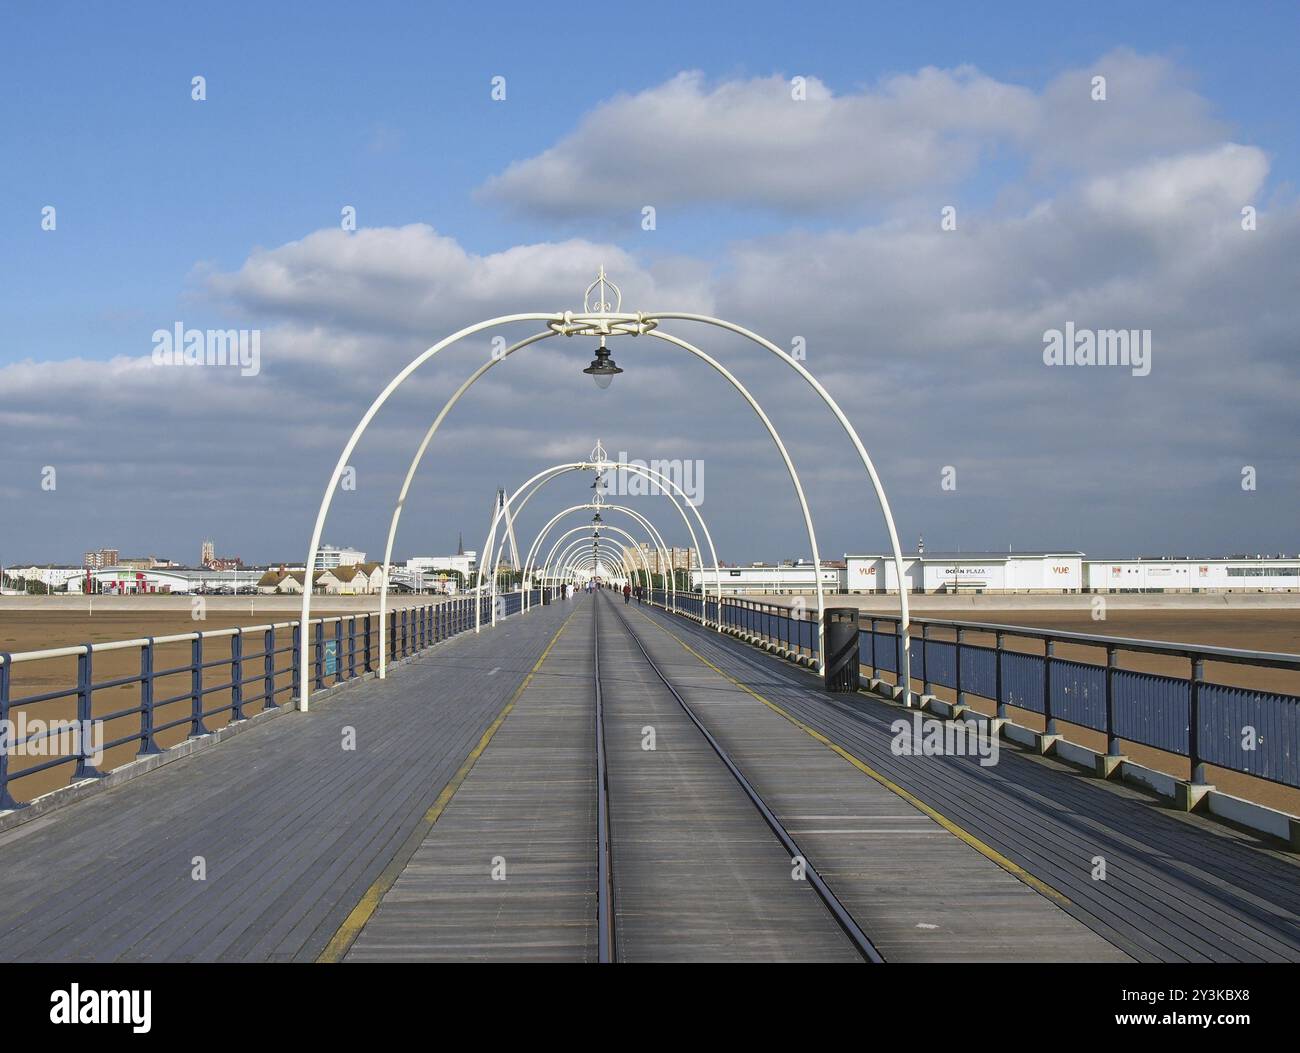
[237, 677]
[318, 648]
[961, 701]
[365, 664]
[296, 668]
[338, 650]
[998, 640]
[197, 727]
[1194, 722]
[268, 670]
[7, 736]
[1049, 649]
[1112, 663]
[85, 690]
[148, 744]
[925, 658]
[352, 647]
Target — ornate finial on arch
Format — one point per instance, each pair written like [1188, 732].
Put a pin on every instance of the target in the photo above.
[598, 455]
[604, 289]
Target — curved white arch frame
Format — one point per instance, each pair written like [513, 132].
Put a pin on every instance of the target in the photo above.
[790, 469]
[655, 537]
[545, 476]
[530, 565]
[645, 564]
[576, 554]
[603, 323]
[666, 485]
[905, 673]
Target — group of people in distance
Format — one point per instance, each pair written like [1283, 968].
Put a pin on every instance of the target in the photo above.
[566, 589]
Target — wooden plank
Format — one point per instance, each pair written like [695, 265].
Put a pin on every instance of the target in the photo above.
[918, 892]
[699, 876]
[528, 802]
[1179, 887]
[290, 826]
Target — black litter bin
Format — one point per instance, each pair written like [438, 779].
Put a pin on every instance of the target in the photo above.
[841, 632]
[546, 596]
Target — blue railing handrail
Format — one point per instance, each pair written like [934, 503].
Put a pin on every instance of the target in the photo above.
[1189, 716]
[351, 648]
[1271, 659]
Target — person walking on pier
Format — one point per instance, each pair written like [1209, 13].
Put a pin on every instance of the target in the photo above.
[627, 594]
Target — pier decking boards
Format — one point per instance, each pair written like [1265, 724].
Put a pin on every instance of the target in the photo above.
[311, 849]
[1178, 887]
[292, 829]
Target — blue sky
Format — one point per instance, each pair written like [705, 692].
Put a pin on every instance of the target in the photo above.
[387, 108]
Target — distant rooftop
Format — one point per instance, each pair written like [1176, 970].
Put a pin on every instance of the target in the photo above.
[972, 554]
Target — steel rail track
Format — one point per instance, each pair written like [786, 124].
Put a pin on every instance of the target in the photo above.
[839, 912]
[605, 947]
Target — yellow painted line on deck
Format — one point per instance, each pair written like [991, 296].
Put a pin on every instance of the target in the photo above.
[361, 913]
[987, 851]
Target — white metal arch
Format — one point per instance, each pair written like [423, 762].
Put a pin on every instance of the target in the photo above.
[304, 671]
[905, 674]
[410, 476]
[546, 475]
[602, 322]
[577, 554]
[529, 562]
[666, 484]
[655, 537]
[645, 564]
[794, 478]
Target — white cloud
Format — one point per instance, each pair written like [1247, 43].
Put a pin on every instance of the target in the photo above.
[748, 142]
[931, 340]
[413, 280]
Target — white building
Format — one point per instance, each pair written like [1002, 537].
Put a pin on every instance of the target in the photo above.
[330, 557]
[1192, 575]
[51, 577]
[128, 581]
[968, 572]
[464, 562]
[756, 580]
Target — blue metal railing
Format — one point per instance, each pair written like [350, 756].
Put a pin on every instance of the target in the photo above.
[1241, 729]
[260, 670]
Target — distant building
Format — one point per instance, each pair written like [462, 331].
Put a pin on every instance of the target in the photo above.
[52, 577]
[1064, 572]
[330, 557]
[938, 572]
[207, 553]
[686, 559]
[464, 563]
[778, 580]
[103, 557]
